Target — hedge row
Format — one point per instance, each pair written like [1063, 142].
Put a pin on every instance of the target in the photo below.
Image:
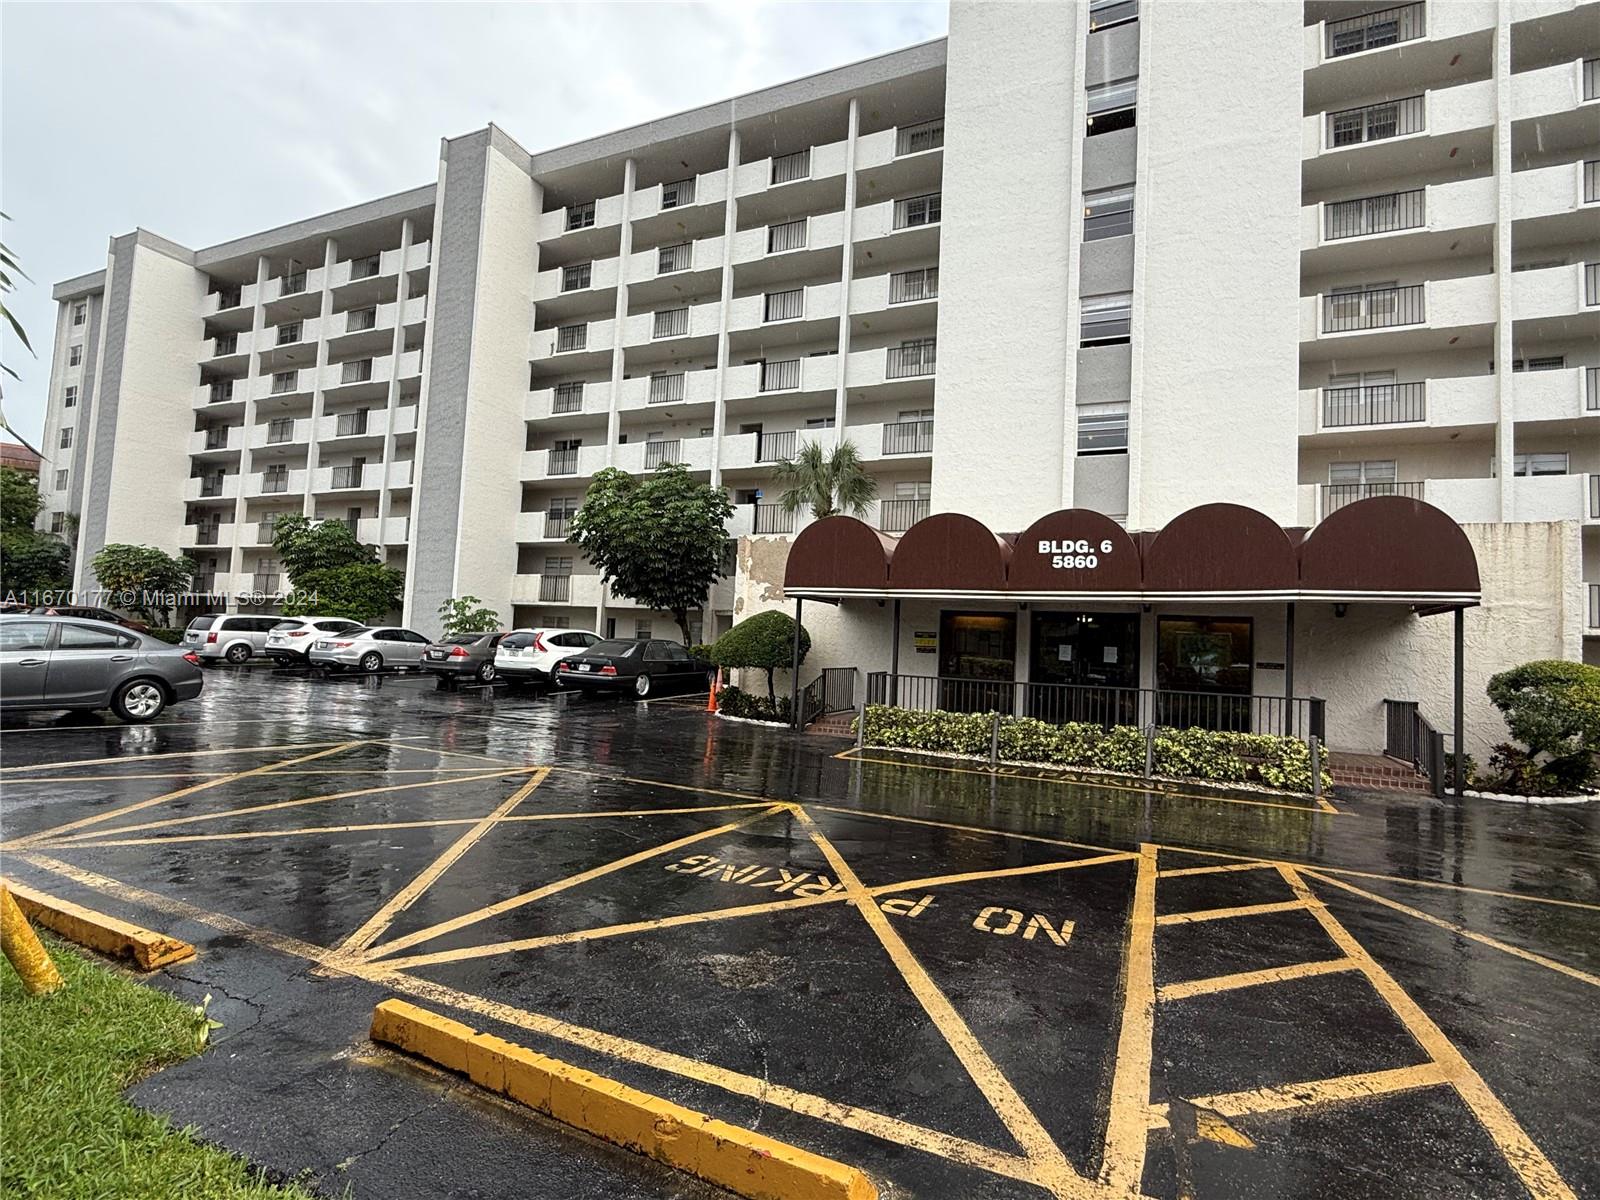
[170, 636]
[735, 702]
[1203, 754]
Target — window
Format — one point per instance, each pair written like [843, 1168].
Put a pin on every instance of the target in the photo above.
[86, 637]
[1553, 463]
[580, 216]
[676, 195]
[80, 312]
[1378, 471]
[17, 636]
[785, 306]
[280, 429]
[1103, 429]
[1107, 320]
[674, 258]
[1539, 264]
[1105, 13]
[1545, 362]
[74, 355]
[576, 278]
[1112, 106]
[643, 628]
[69, 397]
[288, 333]
[557, 565]
[66, 438]
[58, 522]
[918, 210]
[790, 235]
[61, 481]
[820, 422]
[284, 381]
[1107, 213]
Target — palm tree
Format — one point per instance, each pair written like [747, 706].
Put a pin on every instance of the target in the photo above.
[829, 482]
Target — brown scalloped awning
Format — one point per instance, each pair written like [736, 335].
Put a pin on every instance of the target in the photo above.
[1387, 549]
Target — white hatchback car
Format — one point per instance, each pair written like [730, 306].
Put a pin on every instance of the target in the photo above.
[371, 648]
[527, 655]
[289, 641]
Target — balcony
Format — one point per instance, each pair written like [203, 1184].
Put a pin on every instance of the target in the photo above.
[347, 477]
[908, 437]
[388, 531]
[776, 447]
[226, 345]
[579, 461]
[209, 534]
[211, 487]
[581, 222]
[1565, 395]
[1389, 319]
[1374, 214]
[769, 519]
[1370, 142]
[1553, 292]
[582, 590]
[665, 324]
[910, 360]
[216, 439]
[282, 431]
[1556, 498]
[1450, 402]
[1336, 495]
[1375, 122]
[897, 516]
[1371, 31]
[286, 482]
[266, 583]
[666, 388]
[220, 391]
[918, 139]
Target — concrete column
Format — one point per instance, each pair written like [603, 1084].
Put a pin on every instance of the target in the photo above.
[719, 417]
[1071, 288]
[614, 422]
[840, 396]
[257, 328]
[392, 407]
[330, 256]
[1505, 386]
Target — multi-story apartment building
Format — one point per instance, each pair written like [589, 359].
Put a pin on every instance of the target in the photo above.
[1100, 254]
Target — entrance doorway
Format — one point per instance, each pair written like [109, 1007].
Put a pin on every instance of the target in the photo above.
[977, 661]
[1203, 672]
[1096, 655]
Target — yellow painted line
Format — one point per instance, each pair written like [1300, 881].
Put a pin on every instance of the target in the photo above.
[405, 745]
[310, 830]
[375, 925]
[96, 930]
[1053, 1170]
[1312, 1093]
[973, 829]
[119, 778]
[1154, 788]
[1224, 914]
[1536, 1171]
[165, 797]
[1462, 931]
[662, 783]
[1122, 1163]
[1245, 866]
[1244, 979]
[721, 914]
[126, 759]
[85, 839]
[561, 885]
[729, 1156]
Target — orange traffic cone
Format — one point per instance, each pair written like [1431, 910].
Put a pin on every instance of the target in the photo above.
[711, 693]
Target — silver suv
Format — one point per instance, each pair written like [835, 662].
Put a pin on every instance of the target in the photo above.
[228, 636]
[291, 638]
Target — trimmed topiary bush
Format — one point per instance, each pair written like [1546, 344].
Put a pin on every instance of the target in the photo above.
[765, 641]
[1553, 708]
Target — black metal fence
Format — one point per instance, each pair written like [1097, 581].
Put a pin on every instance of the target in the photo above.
[1375, 214]
[905, 287]
[775, 447]
[1408, 737]
[1374, 404]
[1374, 308]
[1374, 122]
[789, 167]
[1061, 703]
[897, 516]
[657, 453]
[555, 589]
[781, 375]
[1336, 495]
[911, 359]
[908, 437]
[832, 691]
[1369, 31]
[772, 518]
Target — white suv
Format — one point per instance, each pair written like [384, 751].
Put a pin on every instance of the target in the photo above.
[289, 641]
[525, 655]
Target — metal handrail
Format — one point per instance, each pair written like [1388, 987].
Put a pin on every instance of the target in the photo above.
[1374, 308]
[897, 516]
[1374, 404]
[789, 167]
[788, 235]
[914, 139]
[775, 447]
[674, 258]
[1374, 122]
[909, 361]
[1375, 214]
[572, 337]
[1336, 495]
[576, 278]
[658, 453]
[1369, 31]
[781, 375]
[666, 389]
[670, 322]
[908, 437]
[564, 462]
[772, 518]
[555, 589]
[568, 398]
[1411, 738]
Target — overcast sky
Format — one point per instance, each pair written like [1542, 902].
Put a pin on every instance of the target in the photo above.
[207, 122]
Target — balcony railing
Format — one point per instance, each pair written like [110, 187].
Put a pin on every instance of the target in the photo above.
[557, 524]
[580, 216]
[772, 518]
[775, 447]
[917, 210]
[274, 482]
[350, 424]
[1377, 308]
[784, 306]
[1386, 27]
[576, 278]
[1374, 122]
[347, 477]
[914, 139]
[284, 381]
[568, 398]
[658, 453]
[293, 284]
[280, 429]
[790, 167]
[1375, 214]
[671, 322]
[360, 319]
[907, 287]
[1375, 404]
[676, 195]
[1591, 181]
[790, 235]
[555, 589]
[572, 337]
[780, 376]
[1591, 389]
[359, 371]
[908, 437]
[564, 462]
[207, 535]
[910, 360]
[1336, 495]
[265, 581]
[674, 258]
[666, 389]
[897, 516]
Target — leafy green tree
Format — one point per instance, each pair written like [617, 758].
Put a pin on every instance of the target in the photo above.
[467, 614]
[829, 482]
[359, 591]
[658, 540]
[764, 641]
[304, 545]
[30, 561]
[20, 501]
[145, 579]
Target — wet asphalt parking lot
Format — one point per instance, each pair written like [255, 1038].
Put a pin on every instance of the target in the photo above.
[966, 984]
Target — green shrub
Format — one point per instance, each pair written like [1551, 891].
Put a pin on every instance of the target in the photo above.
[171, 636]
[738, 703]
[1553, 708]
[764, 641]
[1202, 754]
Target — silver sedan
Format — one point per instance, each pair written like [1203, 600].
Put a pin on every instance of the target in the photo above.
[71, 663]
[371, 648]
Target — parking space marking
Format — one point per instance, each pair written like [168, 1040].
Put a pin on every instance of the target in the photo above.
[1312, 1093]
[1244, 979]
[96, 818]
[123, 758]
[1216, 870]
[1122, 1163]
[1461, 930]
[560, 885]
[1228, 914]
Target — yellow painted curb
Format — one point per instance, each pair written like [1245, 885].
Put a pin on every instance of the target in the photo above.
[149, 950]
[731, 1157]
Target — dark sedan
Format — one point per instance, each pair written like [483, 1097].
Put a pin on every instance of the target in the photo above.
[644, 668]
[462, 656]
[49, 662]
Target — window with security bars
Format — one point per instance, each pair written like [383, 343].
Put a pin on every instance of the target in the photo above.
[916, 210]
[1102, 429]
[1107, 320]
[568, 398]
[780, 375]
[670, 322]
[283, 381]
[784, 306]
[789, 167]
[666, 388]
[572, 337]
[280, 429]
[790, 235]
[580, 216]
[674, 258]
[906, 287]
[676, 195]
[914, 139]
[577, 277]
[1112, 106]
[356, 371]
[1107, 213]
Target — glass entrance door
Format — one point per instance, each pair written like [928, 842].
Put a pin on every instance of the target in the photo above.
[977, 661]
[1203, 672]
[1097, 656]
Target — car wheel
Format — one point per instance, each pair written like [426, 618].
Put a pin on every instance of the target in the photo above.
[371, 661]
[238, 654]
[486, 673]
[138, 701]
[641, 686]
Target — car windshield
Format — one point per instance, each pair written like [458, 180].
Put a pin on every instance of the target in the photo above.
[463, 639]
[615, 649]
[203, 622]
[518, 641]
[295, 624]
